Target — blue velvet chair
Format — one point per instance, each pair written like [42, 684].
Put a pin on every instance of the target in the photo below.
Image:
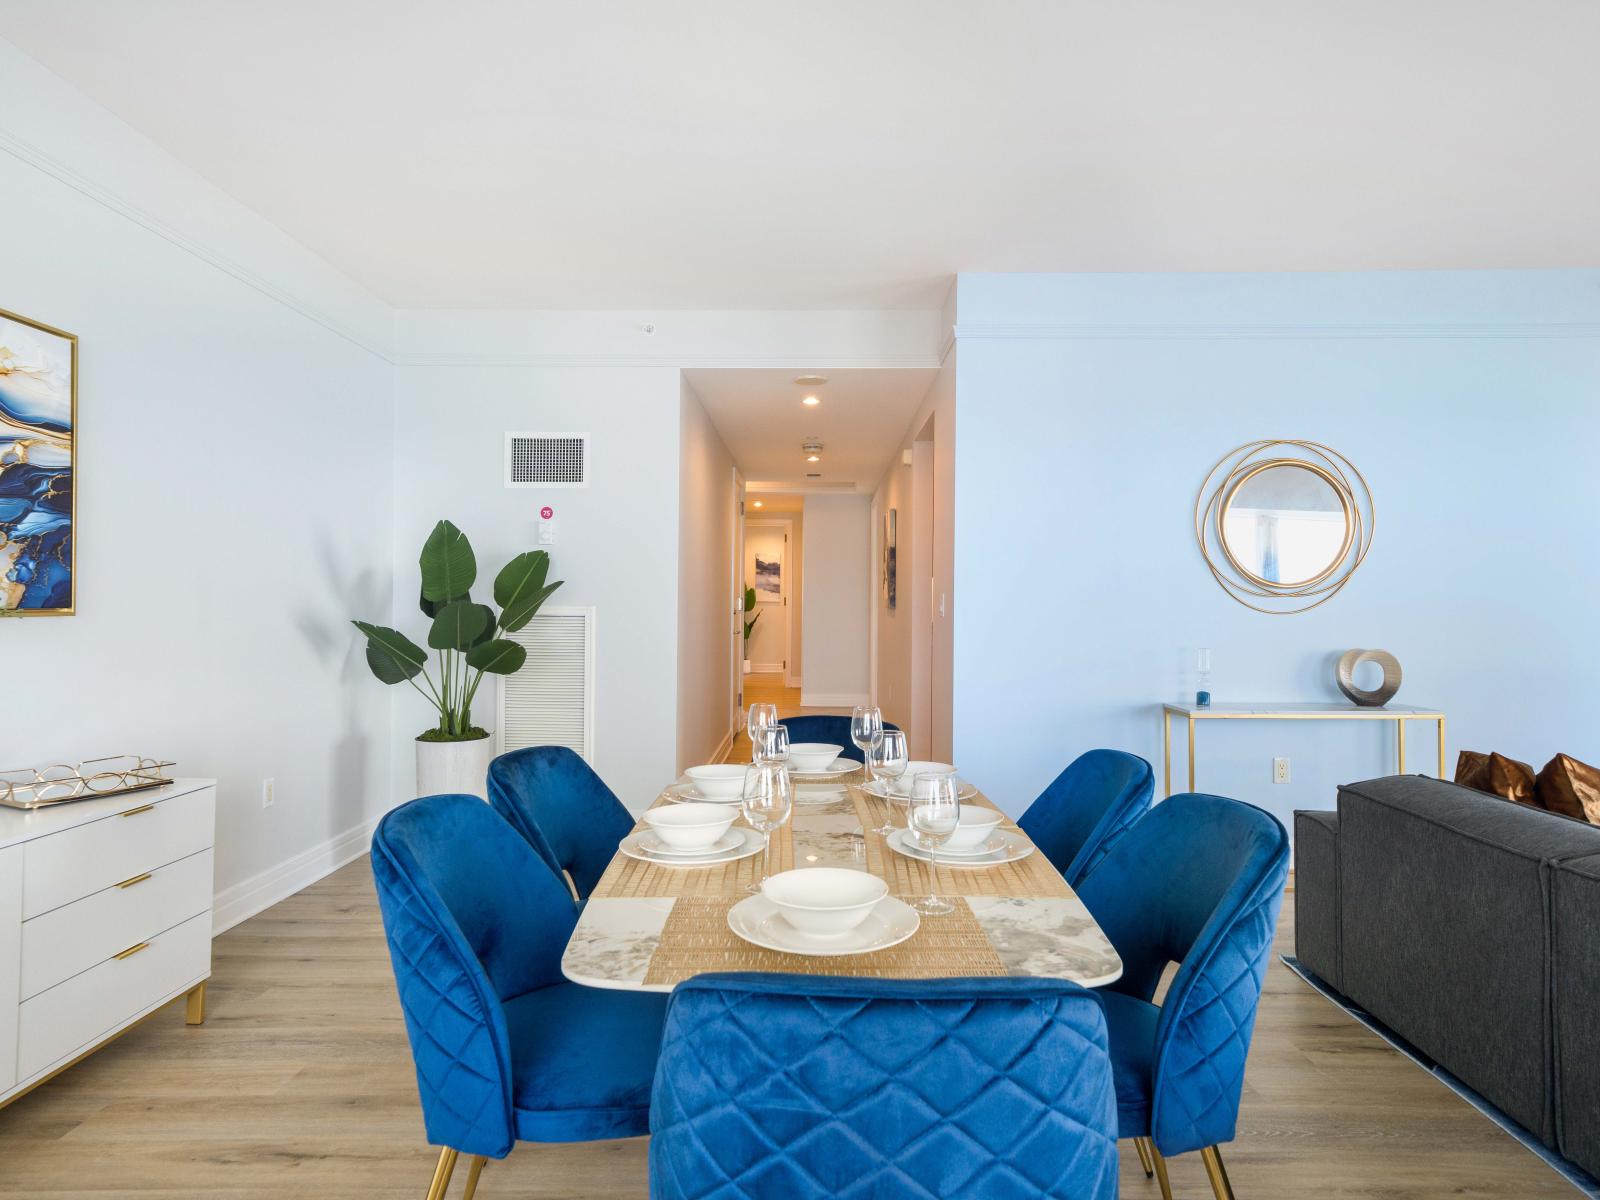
[569, 816]
[805, 1086]
[829, 730]
[1091, 804]
[505, 1049]
[1197, 881]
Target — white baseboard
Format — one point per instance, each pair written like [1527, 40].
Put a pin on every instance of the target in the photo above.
[259, 892]
[724, 747]
[766, 668]
[831, 699]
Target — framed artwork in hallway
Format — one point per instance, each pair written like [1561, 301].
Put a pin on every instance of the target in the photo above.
[890, 521]
[38, 423]
[769, 577]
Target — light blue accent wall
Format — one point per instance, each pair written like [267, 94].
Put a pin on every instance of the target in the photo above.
[1090, 409]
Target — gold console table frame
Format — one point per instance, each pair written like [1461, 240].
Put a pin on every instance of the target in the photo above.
[1193, 713]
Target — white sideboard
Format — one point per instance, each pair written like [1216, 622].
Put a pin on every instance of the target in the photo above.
[105, 916]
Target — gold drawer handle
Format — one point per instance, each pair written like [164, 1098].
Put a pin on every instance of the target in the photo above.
[143, 808]
[128, 883]
[132, 950]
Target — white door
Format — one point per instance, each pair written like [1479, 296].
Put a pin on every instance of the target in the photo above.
[769, 569]
[736, 584]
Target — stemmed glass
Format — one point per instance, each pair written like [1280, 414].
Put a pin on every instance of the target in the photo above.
[931, 821]
[866, 731]
[767, 801]
[770, 745]
[887, 761]
[758, 717]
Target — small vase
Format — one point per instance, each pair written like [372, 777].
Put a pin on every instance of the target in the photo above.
[454, 768]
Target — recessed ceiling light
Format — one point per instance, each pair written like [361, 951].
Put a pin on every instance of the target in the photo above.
[758, 504]
[813, 458]
[811, 380]
[811, 402]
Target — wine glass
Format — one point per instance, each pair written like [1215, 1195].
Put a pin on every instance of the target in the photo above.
[767, 801]
[931, 821]
[759, 716]
[887, 761]
[866, 731]
[771, 745]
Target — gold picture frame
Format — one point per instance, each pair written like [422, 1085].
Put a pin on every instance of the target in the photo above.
[24, 436]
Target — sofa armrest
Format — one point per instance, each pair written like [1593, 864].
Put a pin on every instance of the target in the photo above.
[1316, 896]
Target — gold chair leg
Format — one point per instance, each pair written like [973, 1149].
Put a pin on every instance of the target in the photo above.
[472, 1177]
[1217, 1173]
[1161, 1172]
[194, 1011]
[442, 1173]
[1144, 1157]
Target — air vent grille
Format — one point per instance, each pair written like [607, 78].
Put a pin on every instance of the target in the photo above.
[550, 701]
[546, 460]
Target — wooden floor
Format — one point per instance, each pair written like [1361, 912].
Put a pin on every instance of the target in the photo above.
[300, 1084]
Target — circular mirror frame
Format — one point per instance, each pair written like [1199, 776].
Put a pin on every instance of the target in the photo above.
[1341, 493]
[1217, 493]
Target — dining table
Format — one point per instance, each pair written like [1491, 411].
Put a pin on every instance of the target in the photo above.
[649, 926]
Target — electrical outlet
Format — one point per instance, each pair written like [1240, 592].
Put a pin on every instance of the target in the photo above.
[1280, 770]
[268, 787]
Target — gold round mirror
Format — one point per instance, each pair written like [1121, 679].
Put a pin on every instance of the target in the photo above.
[1286, 524]
[1283, 524]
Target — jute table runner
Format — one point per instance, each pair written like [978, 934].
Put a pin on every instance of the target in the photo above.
[696, 937]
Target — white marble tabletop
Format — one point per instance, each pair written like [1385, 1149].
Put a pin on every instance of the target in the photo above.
[1053, 937]
[1298, 708]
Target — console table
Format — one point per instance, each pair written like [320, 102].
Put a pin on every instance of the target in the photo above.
[1194, 713]
[105, 916]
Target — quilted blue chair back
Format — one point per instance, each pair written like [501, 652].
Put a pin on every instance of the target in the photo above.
[473, 918]
[829, 730]
[1197, 881]
[555, 800]
[1091, 804]
[872, 1089]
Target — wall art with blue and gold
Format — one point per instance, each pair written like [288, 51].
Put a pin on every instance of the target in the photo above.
[38, 424]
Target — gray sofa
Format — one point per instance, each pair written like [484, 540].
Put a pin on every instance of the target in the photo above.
[1469, 926]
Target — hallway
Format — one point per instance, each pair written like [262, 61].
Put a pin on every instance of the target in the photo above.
[764, 688]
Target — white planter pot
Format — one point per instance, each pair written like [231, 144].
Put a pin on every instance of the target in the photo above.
[451, 768]
[747, 666]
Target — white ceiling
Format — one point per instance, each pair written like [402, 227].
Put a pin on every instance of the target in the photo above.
[730, 154]
[862, 420]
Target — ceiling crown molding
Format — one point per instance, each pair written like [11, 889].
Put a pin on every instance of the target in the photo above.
[27, 153]
[1288, 331]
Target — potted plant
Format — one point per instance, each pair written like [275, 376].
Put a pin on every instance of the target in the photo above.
[749, 606]
[454, 756]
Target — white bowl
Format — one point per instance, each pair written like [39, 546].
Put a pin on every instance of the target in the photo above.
[913, 769]
[690, 826]
[721, 781]
[824, 901]
[977, 826]
[813, 756]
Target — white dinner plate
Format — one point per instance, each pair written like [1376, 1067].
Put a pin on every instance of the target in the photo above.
[1013, 847]
[652, 844]
[750, 842]
[839, 766]
[689, 793]
[880, 789]
[758, 921]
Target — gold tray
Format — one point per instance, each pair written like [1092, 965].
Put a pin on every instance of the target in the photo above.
[62, 783]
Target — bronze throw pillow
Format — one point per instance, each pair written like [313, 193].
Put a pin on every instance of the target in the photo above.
[1571, 788]
[1512, 779]
[1472, 770]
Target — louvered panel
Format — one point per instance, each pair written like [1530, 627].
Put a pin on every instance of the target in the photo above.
[550, 702]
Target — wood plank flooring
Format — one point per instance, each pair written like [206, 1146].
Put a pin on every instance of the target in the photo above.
[300, 1084]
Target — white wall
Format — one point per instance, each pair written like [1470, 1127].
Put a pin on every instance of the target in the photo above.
[1091, 408]
[234, 493]
[705, 584]
[616, 540]
[838, 586]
